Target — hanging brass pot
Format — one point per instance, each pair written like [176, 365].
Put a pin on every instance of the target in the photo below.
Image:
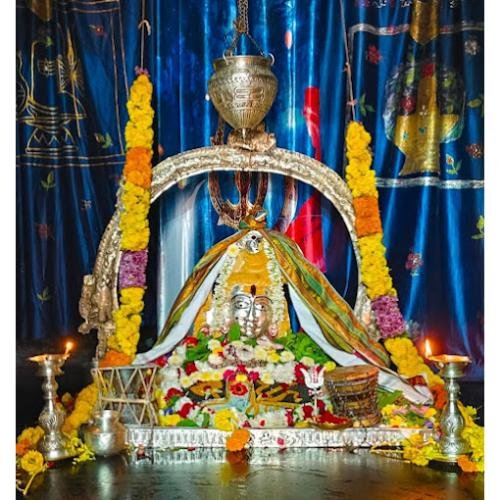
[243, 89]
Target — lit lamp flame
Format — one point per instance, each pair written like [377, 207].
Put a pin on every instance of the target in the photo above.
[428, 350]
[69, 347]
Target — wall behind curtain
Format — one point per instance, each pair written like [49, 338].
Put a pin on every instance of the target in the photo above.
[418, 84]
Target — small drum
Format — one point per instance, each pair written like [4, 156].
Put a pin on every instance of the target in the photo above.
[353, 391]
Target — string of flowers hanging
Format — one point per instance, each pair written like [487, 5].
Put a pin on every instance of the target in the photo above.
[375, 273]
[133, 205]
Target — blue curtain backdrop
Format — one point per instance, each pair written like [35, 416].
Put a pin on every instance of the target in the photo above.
[418, 83]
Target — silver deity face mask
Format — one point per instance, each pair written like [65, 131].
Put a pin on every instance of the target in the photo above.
[252, 313]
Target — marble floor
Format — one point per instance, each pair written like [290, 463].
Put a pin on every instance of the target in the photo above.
[269, 475]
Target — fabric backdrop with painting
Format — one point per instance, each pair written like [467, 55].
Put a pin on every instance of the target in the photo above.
[417, 71]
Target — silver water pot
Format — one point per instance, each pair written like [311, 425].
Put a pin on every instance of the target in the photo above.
[105, 434]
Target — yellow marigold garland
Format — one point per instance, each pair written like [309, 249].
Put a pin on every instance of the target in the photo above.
[410, 364]
[375, 273]
[134, 203]
[361, 181]
[84, 406]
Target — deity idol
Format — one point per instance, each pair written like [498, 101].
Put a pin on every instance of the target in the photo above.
[230, 325]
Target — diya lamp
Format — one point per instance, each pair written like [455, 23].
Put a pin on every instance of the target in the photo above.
[451, 367]
[53, 445]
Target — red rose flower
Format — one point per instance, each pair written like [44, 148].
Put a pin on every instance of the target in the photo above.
[228, 374]
[298, 374]
[280, 441]
[308, 411]
[190, 367]
[185, 409]
[329, 418]
[253, 376]
[239, 389]
[289, 417]
[171, 393]
[190, 341]
[161, 361]
[246, 424]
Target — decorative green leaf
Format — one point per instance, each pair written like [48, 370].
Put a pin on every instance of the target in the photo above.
[107, 142]
[447, 82]
[171, 402]
[475, 103]
[48, 41]
[385, 397]
[187, 423]
[370, 108]
[480, 228]
[49, 182]
[234, 332]
[44, 295]
[206, 420]
[362, 99]
[104, 140]
[251, 341]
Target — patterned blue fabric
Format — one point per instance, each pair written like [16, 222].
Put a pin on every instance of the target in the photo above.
[75, 65]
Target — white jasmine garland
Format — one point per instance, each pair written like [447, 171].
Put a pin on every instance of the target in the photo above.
[170, 374]
[284, 374]
[213, 344]
[175, 360]
[275, 293]
[215, 359]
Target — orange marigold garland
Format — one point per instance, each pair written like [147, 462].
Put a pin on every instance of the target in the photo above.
[134, 202]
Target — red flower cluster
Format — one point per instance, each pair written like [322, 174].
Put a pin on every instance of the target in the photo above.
[190, 341]
[238, 389]
[185, 409]
[172, 392]
[328, 417]
[161, 361]
[299, 376]
[190, 367]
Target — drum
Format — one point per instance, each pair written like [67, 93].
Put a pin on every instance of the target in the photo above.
[353, 391]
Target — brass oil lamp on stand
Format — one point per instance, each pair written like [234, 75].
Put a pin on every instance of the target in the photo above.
[53, 445]
[452, 444]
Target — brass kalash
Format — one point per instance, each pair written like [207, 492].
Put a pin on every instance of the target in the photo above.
[243, 89]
